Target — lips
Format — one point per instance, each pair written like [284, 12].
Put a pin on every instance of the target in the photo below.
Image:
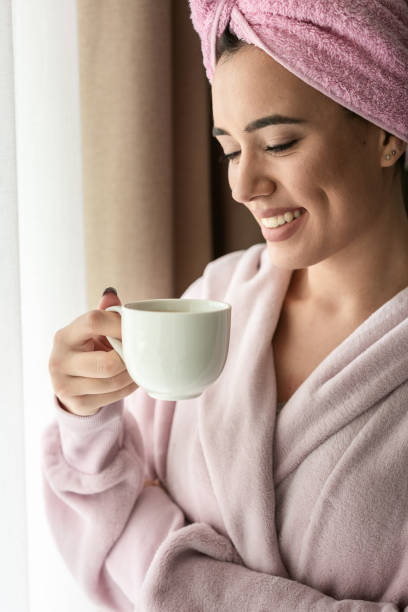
[273, 212]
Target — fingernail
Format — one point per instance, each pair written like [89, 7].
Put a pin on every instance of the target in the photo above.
[110, 290]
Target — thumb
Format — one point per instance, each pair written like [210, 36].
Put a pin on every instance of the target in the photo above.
[109, 298]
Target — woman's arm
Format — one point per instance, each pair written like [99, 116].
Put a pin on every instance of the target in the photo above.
[106, 521]
[199, 569]
[128, 544]
[105, 518]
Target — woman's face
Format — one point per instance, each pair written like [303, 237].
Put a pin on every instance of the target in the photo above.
[332, 165]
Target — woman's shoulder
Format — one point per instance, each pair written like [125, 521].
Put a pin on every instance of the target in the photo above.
[229, 261]
[219, 274]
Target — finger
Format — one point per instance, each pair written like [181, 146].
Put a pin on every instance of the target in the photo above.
[99, 343]
[72, 386]
[89, 364]
[152, 483]
[87, 405]
[109, 299]
[92, 324]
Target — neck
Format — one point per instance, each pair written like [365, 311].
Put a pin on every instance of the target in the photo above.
[359, 279]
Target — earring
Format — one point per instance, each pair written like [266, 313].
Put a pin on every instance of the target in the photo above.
[388, 156]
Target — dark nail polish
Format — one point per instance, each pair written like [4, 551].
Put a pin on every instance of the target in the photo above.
[110, 290]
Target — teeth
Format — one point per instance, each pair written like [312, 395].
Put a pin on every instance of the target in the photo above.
[281, 219]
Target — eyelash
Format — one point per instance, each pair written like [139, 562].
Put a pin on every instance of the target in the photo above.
[277, 149]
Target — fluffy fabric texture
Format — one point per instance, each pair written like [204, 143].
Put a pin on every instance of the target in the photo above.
[353, 51]
[305, 509]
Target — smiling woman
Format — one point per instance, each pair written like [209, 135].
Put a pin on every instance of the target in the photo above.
[228, 44]
[315, 155]
[260, 508]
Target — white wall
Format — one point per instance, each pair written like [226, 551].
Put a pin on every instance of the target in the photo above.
[42, 272]
[13, 536]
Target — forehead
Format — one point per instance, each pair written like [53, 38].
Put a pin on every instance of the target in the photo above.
[250, 83]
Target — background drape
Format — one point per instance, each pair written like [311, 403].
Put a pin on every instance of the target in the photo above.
[156, 200]
[43, 275]
[13, 524]
[109, 176]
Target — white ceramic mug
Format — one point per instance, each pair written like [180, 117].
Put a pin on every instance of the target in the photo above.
[174, 348]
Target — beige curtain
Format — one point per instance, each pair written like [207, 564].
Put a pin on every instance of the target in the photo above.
[157, 205]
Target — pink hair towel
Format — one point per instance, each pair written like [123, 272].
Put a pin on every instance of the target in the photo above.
[353, 51]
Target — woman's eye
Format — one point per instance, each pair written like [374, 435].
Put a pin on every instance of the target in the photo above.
[275, 149]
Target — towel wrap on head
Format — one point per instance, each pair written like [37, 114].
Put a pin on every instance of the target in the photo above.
[353, 51]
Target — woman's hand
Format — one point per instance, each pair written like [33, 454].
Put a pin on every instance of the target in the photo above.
[152, 483]
[86, 372]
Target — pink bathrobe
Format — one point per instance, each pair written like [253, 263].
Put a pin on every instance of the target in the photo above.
[302, 510]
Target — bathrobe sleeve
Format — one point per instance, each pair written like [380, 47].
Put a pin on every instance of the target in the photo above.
[191, 571]
[106, 524]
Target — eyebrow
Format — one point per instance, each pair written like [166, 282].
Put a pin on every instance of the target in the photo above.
[261, 123]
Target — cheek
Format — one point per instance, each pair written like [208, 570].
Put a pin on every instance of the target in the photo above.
[305, 182]
[319, 177]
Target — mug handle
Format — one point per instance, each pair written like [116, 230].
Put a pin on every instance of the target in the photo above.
[117, 344]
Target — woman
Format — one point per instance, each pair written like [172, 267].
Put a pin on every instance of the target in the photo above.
[332, 167]
[302, 509]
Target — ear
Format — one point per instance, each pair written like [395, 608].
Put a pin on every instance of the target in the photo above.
[391, 148]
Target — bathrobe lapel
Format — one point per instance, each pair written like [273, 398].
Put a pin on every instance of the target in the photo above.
[237, 416]
[354, 378]
[248, 450]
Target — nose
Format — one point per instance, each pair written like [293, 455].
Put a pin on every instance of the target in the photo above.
[249, 180]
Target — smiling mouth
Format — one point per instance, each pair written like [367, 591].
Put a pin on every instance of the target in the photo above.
[279, 220]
